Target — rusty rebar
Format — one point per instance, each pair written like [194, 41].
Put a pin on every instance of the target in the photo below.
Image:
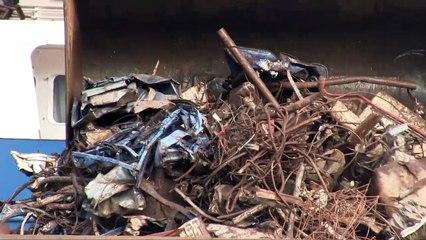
[296, 193]
[344, 80]
[149, 189]
[301, 103]
[19, 190]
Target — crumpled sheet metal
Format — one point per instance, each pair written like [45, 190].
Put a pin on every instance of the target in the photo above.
[110, 95]
[123, 203]
[151, 99]
[113, 193]
[113, 96]
[244, 95]
[154, 104]
[265, 61]
[228, 232]
[408, 183]
[105, 186]
[12, 210]
[94, 135]
[194, 228]
[34, 163]
[92, 161]
[196, 94]
[135, 223]
[136, 148]
[168, 86]
[392, 105]
[164, 153]
[176, 146]
[191, 120]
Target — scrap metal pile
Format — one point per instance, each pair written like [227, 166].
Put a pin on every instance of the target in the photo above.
[7, 7]
[273, 154]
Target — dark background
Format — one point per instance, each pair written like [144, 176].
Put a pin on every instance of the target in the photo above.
[351, 37]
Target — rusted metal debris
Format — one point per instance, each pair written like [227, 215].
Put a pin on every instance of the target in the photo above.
[7, 7]
[147, 160]
[245, 65]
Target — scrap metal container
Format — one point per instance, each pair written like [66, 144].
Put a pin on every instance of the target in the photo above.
[351, 37]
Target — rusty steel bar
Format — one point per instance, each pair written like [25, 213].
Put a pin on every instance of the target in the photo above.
[345, 80]
[378, 81]
[18, 191]
[301, 103]
[251, 74]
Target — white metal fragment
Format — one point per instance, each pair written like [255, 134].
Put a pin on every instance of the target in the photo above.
[34, 163]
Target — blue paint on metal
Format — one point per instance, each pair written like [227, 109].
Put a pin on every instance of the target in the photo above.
[87, 160]
[11, 177]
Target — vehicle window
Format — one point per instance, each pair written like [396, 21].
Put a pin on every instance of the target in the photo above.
[59, 92]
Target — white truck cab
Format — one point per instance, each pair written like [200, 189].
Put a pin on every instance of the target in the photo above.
[32, 79]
